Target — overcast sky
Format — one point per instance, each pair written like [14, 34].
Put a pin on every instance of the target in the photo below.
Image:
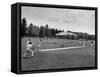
[67, 19]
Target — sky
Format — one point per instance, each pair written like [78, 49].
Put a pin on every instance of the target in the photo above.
[65, 19]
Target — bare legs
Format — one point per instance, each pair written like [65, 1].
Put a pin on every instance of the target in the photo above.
[25, 53]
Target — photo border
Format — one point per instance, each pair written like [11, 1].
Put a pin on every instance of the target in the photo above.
[62, 7]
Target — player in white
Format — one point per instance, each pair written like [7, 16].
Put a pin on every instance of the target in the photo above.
[29, 48]
[39, 44]
[82, 42]
[93, 43]
[62, 44]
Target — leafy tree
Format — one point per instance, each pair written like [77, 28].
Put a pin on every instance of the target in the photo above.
[36, 30]
[46, 30]
[23, 26]
[41, 32]
[30, 30]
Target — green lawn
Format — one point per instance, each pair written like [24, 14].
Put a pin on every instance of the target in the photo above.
[68, 58]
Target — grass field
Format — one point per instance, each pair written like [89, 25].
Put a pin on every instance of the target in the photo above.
[65, 58]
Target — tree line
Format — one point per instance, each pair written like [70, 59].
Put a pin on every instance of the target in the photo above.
[45, 31]
[36, 31]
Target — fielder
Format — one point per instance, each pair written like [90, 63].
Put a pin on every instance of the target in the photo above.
[82, 42]
[93, 43]
[39, 44]
[62, 44]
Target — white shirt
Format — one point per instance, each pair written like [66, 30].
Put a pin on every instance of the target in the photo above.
[28, 46]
